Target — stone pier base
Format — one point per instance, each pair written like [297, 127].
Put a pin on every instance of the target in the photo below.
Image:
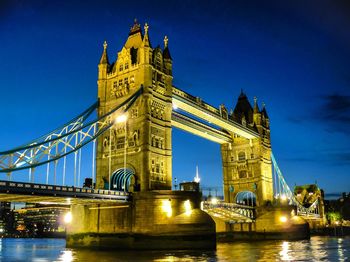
[272, 223]
[152, 220]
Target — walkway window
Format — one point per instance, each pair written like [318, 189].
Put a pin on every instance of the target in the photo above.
[241, 156]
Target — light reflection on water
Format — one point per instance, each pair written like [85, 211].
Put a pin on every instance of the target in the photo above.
[315, 249]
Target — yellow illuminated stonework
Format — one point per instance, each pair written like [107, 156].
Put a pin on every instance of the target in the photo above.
[247, 162]
[148, 125]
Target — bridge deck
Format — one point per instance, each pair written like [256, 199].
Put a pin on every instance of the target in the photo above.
[65, 195]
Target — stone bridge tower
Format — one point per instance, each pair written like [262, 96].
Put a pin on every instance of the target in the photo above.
[247, 163]
[148, 125]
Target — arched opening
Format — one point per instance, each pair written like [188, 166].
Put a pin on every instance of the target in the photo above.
[120, 179]
[246, 198]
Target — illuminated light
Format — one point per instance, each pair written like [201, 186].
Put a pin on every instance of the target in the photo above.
[283, 219]
[175, 106]
[188, 208]
[283, 198]
[1, 230]
[68, 217]
[292, 213]
[121, 119]
[166, 207]
[214, 201]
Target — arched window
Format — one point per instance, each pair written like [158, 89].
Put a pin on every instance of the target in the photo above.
[243, 174]
[241, 156]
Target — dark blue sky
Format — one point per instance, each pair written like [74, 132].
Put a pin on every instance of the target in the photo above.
[292, 55]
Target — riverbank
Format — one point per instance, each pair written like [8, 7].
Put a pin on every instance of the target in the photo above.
[337, 231]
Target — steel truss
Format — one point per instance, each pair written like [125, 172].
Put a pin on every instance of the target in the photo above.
[68, 139]
[282, 190]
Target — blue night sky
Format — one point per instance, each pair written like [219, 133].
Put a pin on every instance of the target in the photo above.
[292, 55]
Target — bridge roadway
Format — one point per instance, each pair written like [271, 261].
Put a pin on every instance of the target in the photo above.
[53, 194]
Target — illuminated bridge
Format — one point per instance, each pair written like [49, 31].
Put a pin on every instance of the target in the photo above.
[126, 150]
[48, 150]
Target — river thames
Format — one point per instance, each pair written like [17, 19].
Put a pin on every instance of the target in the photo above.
[315, 249]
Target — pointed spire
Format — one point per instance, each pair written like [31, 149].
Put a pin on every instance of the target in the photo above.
[166, 52]
[256, 107]
[145, 40]
[104, 57]
[263, 111]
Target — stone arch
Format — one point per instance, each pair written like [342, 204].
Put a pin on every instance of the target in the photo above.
[120, 178]
[247, 198]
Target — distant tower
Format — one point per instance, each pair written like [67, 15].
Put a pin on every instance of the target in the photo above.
[148, 125]
[247, 163]
[196, 178]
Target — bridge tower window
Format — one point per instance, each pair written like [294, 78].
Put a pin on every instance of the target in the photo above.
[241, 156]
[243, 174]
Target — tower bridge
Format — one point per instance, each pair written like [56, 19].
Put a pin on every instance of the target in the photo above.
[131, 140]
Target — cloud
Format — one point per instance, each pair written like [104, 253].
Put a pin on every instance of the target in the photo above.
[333, 157]
[332, 112]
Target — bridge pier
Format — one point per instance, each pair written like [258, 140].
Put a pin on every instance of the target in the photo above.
[151, 220]
[271, 223]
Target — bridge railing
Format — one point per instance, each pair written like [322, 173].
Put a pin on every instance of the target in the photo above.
[22, 188]
[241, 210]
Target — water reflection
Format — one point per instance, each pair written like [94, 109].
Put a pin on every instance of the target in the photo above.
[315, 249]
[284, 252]
[66, 256]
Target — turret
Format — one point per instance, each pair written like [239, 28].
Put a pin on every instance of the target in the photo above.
[257, 115]
[146, 48]
[104, 63]
[168, 62]
[103, 68]
[265, 117]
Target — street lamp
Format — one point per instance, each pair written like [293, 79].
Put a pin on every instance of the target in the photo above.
[122, 119]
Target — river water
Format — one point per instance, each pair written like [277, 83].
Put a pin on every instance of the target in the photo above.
[315, 249]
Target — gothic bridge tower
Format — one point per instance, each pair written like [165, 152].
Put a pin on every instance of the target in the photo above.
[247, 170]
[147, 130]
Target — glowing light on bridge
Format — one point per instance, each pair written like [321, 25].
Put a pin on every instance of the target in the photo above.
[283, 219]
[166, 207]
[68, 218]
[214, 201]
[188, 208]
[121, 119]
[283, 198]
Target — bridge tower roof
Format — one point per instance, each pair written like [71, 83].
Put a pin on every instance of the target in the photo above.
[243, 108]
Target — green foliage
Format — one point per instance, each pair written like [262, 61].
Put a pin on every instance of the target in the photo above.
[333, 217]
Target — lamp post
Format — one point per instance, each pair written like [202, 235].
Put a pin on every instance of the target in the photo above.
[122, 119]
